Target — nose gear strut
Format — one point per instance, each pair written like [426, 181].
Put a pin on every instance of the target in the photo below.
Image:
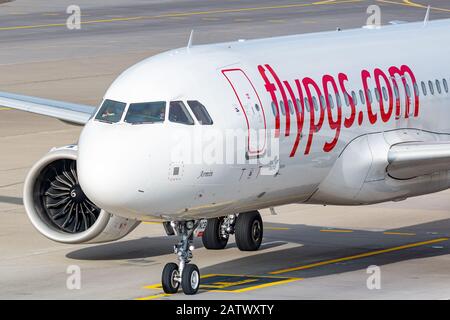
[188, 275]
[248, 230]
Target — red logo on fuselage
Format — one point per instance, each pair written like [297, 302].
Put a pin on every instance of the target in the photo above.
[308, 89]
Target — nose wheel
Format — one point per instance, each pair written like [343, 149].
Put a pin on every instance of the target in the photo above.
[185, 274]
[170, 276]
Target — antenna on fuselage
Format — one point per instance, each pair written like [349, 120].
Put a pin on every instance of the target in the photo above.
[427, 16]
[191, 38]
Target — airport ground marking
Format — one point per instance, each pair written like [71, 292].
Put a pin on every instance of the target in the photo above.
[399, 233]
[226, 282]
[336, 230]
[3, 108]
[222, 286]
[182, 14]
[277, 228]
[260, 286]
[413, 5]
[419, 5]
[359, 256]
[155, 296]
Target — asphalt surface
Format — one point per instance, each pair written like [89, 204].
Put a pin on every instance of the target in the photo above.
[309, 252]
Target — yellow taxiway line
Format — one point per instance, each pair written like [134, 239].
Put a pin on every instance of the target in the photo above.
[336, 230]
[184, 14]
[399, 233]
[359, 256]
[155, 296]
[410, 3]
[285, 280]
[277, 228]
[220, 286]
[260, 286]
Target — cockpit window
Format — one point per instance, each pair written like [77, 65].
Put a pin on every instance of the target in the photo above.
[179, 114]
[110, 111]
[147, 112]
[200, 112]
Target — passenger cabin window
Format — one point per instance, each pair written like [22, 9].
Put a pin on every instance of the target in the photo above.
[306, 101]
[416, 89]
[322, 101]
[274, 109]
[179, 114]
[283, 110]
[361, 96]
[396, 93]
[438, 87]
[338, 100]
[331, 101]
[385, 94]
[408, 90]
[291, 107]
[146, 112]
[316, 105]
[430, 84]
[377, 94]
[299, 106]
[444, 82]
[111, 111]
[424, 88]
[355, 100]
[200, 112]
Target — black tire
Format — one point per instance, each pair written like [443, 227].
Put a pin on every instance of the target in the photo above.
[190, 280]
[169, 273]
[249, 231]
[211, 237]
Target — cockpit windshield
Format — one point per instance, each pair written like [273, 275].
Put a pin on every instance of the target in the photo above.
[110, 111]
[200, 112]
[147, 112]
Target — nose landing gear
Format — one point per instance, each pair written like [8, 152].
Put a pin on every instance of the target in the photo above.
[185, 274]
[248, 230]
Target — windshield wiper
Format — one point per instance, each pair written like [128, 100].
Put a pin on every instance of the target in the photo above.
[142, 122]
[105, 121]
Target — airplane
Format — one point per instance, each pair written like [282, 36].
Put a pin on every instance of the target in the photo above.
[347, 117]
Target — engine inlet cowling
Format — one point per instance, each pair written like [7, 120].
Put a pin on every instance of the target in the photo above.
[59, 209]
[62, 198]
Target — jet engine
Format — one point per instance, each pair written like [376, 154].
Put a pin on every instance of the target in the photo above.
[57, 206]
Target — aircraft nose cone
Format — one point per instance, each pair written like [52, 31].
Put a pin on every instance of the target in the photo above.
[110, 166]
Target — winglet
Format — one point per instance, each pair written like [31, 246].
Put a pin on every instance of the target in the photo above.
[191, 37]
[427, 16]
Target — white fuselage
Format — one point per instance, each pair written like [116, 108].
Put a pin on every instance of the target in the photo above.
[131, 170]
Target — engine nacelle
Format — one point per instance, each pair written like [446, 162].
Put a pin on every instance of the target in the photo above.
[58, 207]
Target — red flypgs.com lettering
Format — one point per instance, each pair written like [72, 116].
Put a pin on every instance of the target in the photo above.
[393, 81]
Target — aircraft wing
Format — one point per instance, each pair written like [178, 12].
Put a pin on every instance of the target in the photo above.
[413, 159]
[68, 112]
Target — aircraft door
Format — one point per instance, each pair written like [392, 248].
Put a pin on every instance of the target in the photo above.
[252, 108]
